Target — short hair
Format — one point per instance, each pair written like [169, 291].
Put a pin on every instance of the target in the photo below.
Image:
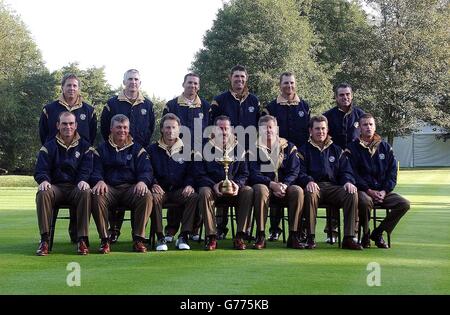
[169, 116]
[266, 118]
[66, 113]
[191, 74]
[68, 76]
[319, 119]
[238, 68]
[366, 116]
[125, 75]
[119, 118]
[342, 85]
[222, 117]
[286, 74]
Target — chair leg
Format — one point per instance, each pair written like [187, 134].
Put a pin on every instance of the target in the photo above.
[339, 227]
[232, 219]
[52, 228]
[328, 220]
[283, 223]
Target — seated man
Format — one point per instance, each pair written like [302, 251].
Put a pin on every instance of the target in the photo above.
[122, 173]
[62, 171]
[273, 171]
[210, 177]
[173, 181]
[375, 170]
[327, 177]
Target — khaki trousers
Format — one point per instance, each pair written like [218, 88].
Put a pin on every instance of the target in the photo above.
[122, 195]
[294, 198]
[176, 197]
[333, 195]
[58, 194]
[396, 203]
[207, 201]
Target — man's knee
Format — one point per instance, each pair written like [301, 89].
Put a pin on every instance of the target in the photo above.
[295, 191]
[261, 191]
[205, 193]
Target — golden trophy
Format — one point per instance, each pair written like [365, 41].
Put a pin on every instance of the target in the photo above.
[227, 187]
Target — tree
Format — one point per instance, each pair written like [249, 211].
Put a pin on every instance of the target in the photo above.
[407, 65]
[25, 84]
[268, 37]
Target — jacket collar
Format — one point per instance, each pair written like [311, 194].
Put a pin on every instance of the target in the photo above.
[230, 145]
[349, 110]
[327, 143]
[372, 146]
[128, 143]
[177, 147]
[74, 143]
[182, 101]
[282, 101]
[78, 103]
[241, 98]
[140, 99]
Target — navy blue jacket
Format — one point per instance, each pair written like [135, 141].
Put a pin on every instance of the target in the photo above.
[243, 112]
[59, 164]
[287, 170]
[327, 165]
[375, 166]
[343, 127]
[187, 113]
[293, 119]
[209, 173]
[128, 165]
[85, 117]
[169, 173]
[141, 115]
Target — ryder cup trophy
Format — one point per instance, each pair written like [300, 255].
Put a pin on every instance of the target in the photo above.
[227, 187]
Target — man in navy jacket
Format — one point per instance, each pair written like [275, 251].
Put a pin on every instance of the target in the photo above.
[273, 171]
[63, 169]
[327, 177]
[375, 170]
[173, 180]
[121, 177]
[210, 178]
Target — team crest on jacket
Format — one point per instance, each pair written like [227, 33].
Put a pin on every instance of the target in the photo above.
[200, 115]
[83, 116]
[331, 159]
[301, 113]
[356, 124]
[129, 156]
[381, 156]
[251, 109]
[77, 154]
[143, 111]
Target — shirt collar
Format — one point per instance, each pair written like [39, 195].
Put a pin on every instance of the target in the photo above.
[282, 101]
[327, 143]
[78, 103]
[73, 144]
[242, 97]
[139, 100]
[177, 147]
[128, 143]
[183, 101]
[372, 146]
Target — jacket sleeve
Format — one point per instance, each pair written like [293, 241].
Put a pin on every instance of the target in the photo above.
[43, 127]
[391, 171]
[202, 178]
[144, 168]
[189, 177]
[105, 122]
[256, 176]
[43, 166]
[354, 159]
[214, 111]
[345, 170]
[151, 123]
[86, 166]
[93, 128]
[292, 167]
[303, 178]
[98, 171]
[242, 173]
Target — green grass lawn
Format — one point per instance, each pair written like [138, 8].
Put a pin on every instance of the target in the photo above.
[417, 263]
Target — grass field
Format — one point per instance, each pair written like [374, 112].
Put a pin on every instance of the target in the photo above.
[417, 263]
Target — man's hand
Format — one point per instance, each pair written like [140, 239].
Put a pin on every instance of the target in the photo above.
[277, 189]
[100, 188]
[235, 188]
[187, 191]
[350, 188]
[45, 185]
[216, 189]
[140, 189]
[82, 185]
[156, 189]
[377, 196]
[312, 187]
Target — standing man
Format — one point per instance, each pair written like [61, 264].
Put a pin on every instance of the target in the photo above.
[327, 177]
[343, 120]
[375, 169]
[292, 114]
[121, 177]
[243, 109]
[69, 100]
[273, 172]
[190, 108]
[139, 110]
[210, 177]
[173, 181]
[63, 168]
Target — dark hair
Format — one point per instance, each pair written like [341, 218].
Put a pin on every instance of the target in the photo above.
[169, 116]
[119, 118]
[190, 74]
[285, 74]
[70, 76]
[342, 85]
[238, 68]
[221, 117]
[66, 113]
[366, 116]
[319, 119]
[267, 118]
